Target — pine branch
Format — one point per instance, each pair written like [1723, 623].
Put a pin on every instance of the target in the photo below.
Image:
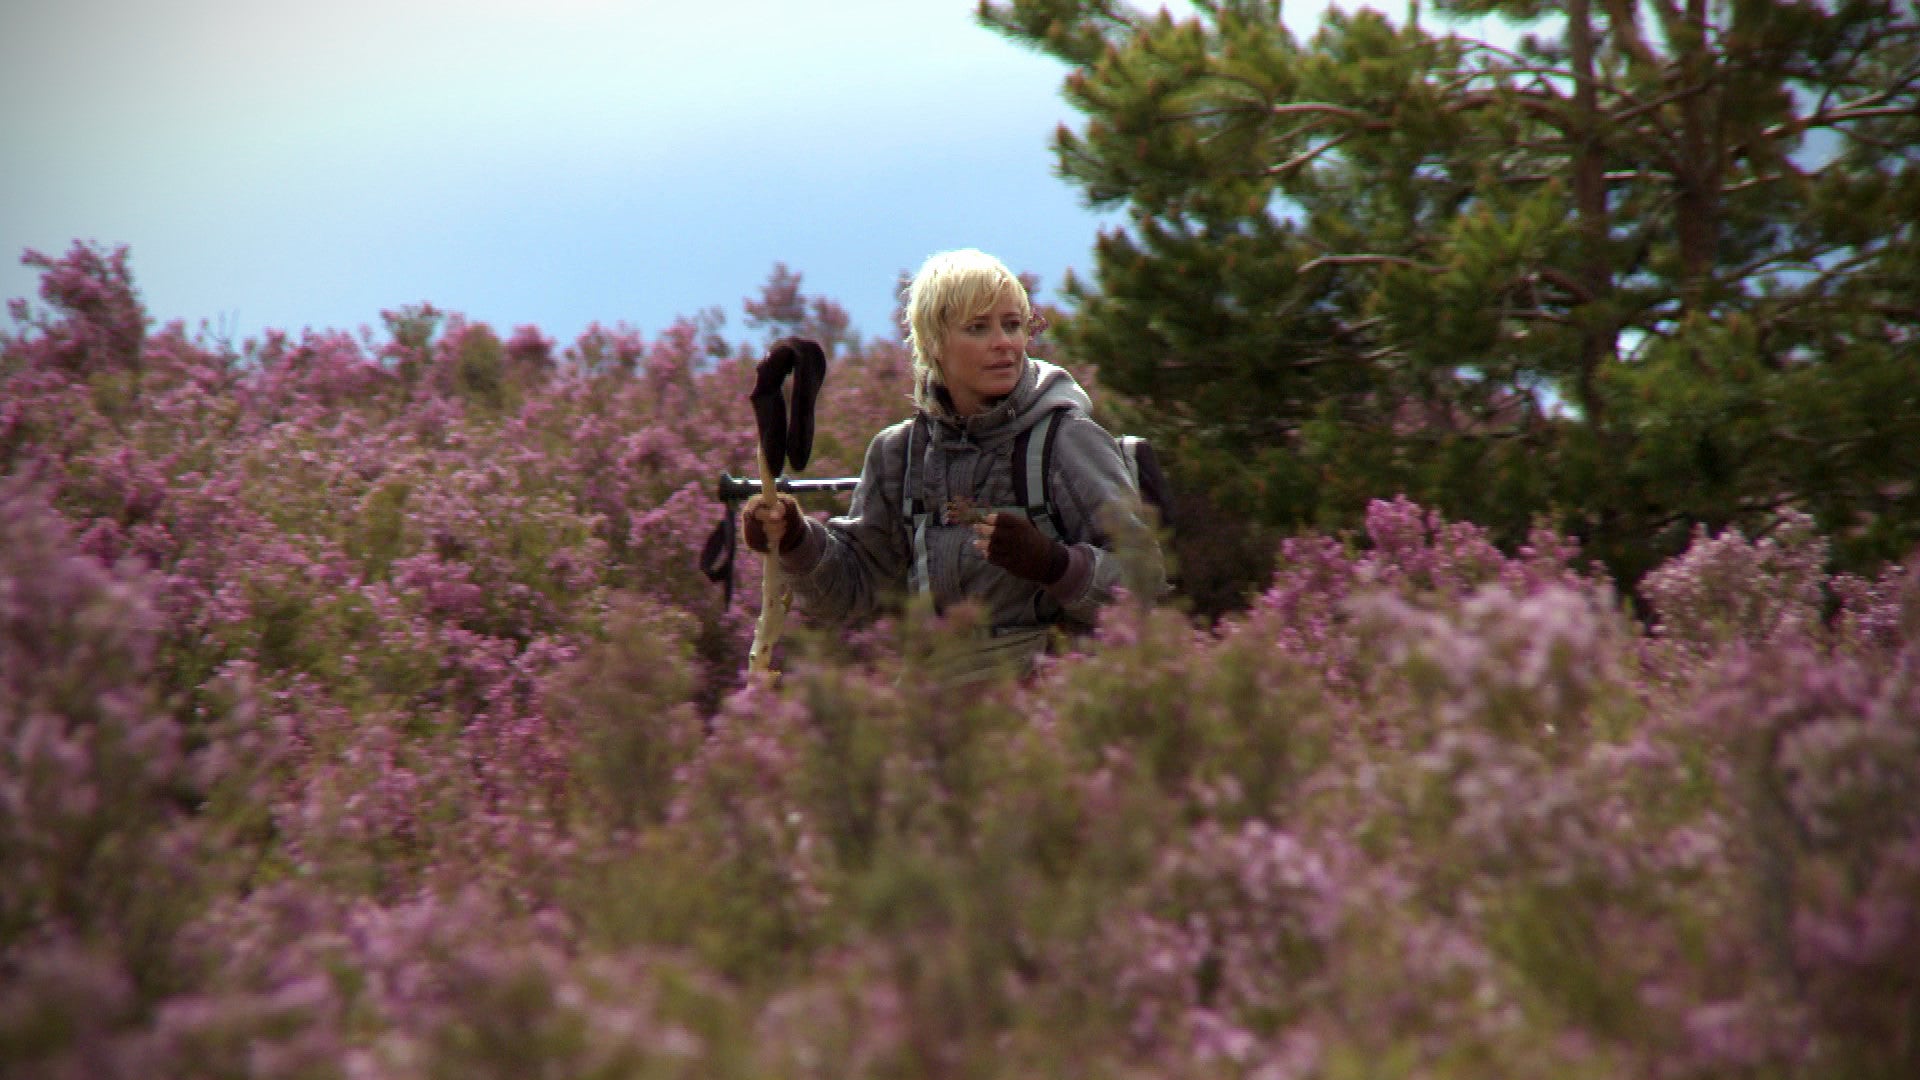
[1468, 48]
[1367, 121]
[1753, 182]
[1813, 294]
[1625, 20]
[1543, 77]
[1535, 314]
[1369, 260]
[1550, 106]
[1574, 286]
[1308, 128]
[1457, 435]
[1904, 149]
[1347, 330]
[1868, 107]
[1306, 157]
[1842, 116]
[1212, 113]
[1543, 106]
[1640, 108]
[1798, 257]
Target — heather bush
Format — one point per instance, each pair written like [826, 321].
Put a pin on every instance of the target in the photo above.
[96, 325]
[1726, 588]
[103, 864]
[362, 714]
[627, 703]
[87, 763]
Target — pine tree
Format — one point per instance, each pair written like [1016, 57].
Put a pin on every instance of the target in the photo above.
[1655, 267]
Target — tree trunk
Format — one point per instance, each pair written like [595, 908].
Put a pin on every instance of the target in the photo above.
[1590, 203]
[1699, 195]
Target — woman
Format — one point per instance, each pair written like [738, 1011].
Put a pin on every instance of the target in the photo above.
[950, 524]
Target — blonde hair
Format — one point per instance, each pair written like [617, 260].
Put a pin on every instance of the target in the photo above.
[950, 288]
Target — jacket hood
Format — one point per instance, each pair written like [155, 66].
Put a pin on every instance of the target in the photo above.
[1042, 388]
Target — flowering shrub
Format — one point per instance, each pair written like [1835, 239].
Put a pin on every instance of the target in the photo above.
[362, 714]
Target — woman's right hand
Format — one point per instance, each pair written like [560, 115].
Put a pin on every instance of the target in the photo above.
[782, 514]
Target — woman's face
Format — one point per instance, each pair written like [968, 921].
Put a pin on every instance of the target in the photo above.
[983, 356]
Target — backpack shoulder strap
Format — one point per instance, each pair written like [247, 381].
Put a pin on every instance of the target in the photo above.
[914, 512]
[1030, 471]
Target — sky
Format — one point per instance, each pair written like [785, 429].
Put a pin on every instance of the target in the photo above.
[294, 164]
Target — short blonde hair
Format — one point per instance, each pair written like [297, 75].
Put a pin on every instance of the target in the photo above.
[950, 288]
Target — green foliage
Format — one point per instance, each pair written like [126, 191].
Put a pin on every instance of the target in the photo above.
[479, 370]
[1234, 734]
[1649, 270]
[378, 535]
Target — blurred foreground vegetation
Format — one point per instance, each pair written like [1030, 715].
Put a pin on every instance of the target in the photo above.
[362, 715]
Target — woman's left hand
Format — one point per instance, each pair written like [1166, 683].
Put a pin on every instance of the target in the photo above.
[1016, 545]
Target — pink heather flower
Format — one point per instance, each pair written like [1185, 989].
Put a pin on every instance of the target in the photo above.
[1295, 1055]
[1727, 588]
[599, 350]
[1852, 777]
[1728, 1035]
[530, 348]
[1878, 615]
[60, 1006]
[101, 324]
[446, 589]
[1217, 1040]
[1504, 659]
[83, 753]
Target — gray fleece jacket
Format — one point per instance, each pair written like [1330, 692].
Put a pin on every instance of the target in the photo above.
[851, 566]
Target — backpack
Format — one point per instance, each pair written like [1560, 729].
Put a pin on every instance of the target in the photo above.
[1030, 471]
[1143, 465]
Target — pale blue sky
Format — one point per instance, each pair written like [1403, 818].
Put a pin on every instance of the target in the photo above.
[308, 163]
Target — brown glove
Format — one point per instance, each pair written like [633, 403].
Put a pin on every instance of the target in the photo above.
[754, 530]
[1016, 545]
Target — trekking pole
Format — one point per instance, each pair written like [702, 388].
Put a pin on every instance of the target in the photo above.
[717, 555]
[734, 489]
[773, 598]
[786, 435]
